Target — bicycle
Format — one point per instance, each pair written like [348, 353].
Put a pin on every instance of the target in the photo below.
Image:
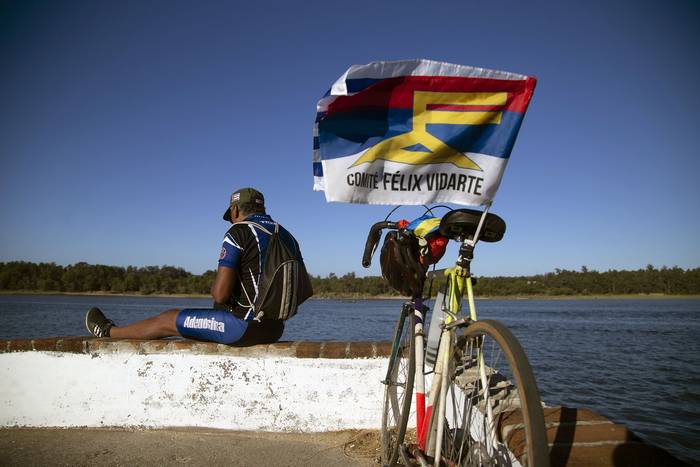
[483, 407]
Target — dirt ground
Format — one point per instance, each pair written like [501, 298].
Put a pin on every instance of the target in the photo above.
[185, 446]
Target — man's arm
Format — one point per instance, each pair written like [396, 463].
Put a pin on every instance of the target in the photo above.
[227, 273]
[223, 284]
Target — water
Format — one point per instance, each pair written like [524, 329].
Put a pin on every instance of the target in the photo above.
[635, 361]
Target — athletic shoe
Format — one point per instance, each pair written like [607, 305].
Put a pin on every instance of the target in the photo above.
[97, 323]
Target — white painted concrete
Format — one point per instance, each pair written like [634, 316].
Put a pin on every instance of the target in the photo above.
[42, 389]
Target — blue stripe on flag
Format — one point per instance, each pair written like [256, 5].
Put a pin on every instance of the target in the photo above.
[416, 148]
[318, 169]
[349, 133]
[359, 125]
[358, 84]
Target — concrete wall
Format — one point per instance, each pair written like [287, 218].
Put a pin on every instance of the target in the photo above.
[294, 386]
[157, 384]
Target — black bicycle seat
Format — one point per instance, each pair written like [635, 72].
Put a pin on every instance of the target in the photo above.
[461, 224]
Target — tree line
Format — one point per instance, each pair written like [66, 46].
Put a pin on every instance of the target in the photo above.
[650, 280]
[83, 277]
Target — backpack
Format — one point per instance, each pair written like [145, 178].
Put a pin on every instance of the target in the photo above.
[401, 265]
[284, 282]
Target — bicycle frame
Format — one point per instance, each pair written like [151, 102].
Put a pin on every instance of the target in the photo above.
[429, 429]
[463, 381]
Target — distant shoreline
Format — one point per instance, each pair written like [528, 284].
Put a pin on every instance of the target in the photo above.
[100, 294]
[652, 296]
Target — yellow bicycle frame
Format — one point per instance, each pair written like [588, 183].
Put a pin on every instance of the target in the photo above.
[460, 281]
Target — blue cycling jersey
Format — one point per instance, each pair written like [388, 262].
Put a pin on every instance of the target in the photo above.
[243, 249]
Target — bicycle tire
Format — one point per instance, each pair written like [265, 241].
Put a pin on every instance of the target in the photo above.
[516, 416]
[398, 388]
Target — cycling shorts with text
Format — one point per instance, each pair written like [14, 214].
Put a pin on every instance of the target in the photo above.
[207, 324]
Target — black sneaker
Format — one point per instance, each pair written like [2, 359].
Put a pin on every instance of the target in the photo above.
[97, 323]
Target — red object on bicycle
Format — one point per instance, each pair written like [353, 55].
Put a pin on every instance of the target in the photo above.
[437, 244]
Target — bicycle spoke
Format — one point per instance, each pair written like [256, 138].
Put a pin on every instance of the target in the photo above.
[482, 392]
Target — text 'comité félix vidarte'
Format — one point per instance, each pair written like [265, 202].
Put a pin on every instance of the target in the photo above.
[397, 181]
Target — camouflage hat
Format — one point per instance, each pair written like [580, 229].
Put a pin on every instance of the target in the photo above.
[243, 196]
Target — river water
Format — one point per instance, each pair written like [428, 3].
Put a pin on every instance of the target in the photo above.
[635, 361]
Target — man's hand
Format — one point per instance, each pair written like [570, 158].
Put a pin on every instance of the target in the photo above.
[223, 284]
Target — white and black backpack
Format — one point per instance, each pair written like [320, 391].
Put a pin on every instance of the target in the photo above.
[284, 282]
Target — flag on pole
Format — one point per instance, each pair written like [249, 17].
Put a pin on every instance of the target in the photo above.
[417, 132]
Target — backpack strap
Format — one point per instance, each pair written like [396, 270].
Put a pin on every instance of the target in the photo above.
[255, 224]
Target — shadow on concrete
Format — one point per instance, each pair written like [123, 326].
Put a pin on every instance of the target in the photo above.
[580, 440]
[564, 438]
[635, 452]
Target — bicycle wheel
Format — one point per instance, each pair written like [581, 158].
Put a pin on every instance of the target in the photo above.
[493, 413]
[398, 387]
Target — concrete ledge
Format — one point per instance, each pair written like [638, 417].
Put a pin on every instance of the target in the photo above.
[581, 437]
[301, 349]
[287, 386]
[283, 387]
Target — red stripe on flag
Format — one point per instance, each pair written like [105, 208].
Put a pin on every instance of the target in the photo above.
[397, 93]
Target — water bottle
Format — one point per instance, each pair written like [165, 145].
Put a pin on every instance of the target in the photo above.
[435, 329]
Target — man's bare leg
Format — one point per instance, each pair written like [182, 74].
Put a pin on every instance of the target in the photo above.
[162, 325]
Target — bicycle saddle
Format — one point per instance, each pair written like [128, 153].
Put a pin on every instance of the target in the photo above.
[461, 224]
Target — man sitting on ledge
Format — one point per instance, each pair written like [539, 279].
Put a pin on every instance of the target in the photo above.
[235, 288]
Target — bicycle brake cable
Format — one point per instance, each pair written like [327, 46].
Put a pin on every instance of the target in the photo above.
[391, 212]
[430, 210]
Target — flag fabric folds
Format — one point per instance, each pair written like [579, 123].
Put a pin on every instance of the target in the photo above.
[417, 132]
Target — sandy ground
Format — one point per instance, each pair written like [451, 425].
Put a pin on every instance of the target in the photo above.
[118, 447]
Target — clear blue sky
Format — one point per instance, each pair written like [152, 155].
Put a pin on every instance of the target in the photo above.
[124, 126]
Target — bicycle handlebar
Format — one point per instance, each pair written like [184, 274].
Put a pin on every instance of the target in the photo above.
[375, 232]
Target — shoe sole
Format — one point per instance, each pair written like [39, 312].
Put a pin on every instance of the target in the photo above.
[87, 326]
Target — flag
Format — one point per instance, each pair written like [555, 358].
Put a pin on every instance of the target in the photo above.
[417, 132]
